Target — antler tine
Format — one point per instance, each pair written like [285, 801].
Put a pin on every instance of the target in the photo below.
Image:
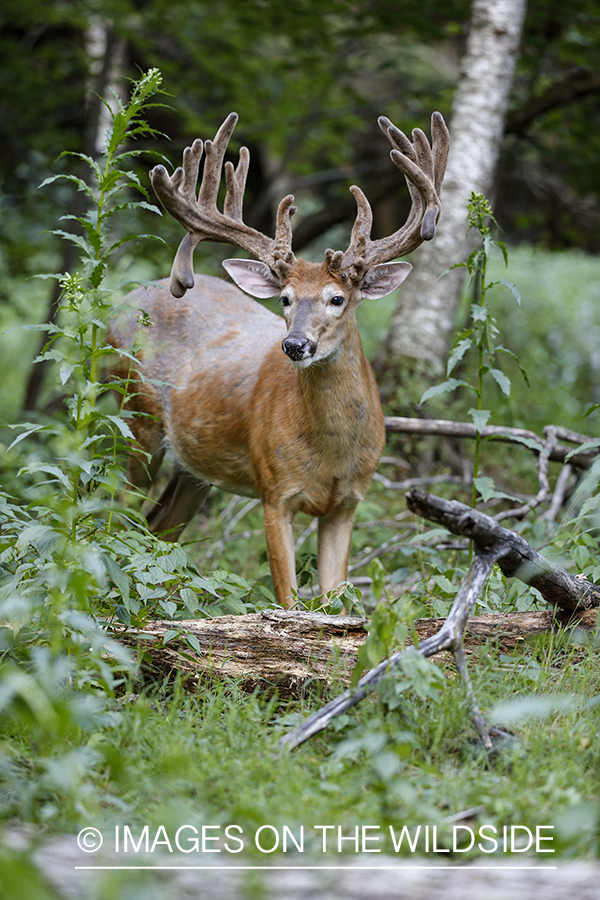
[440, 145]
[282, 252]
[170, 191]
[213, 164]
[189, 173]
[235, 179]
[423, 166]
[201, 217]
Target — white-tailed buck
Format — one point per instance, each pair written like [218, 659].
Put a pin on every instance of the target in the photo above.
[285, 409]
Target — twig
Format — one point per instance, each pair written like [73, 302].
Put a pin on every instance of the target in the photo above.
[558, 496]
[542, 470]
[386, 547]
[416, 482]
[487, 732]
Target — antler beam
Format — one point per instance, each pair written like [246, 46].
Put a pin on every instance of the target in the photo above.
[201, 217]
[423, 167]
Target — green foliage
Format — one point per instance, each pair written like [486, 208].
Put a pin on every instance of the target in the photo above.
[480, 336]
[73, 563]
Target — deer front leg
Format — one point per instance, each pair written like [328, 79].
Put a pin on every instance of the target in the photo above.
[280, 550]
[333, 546]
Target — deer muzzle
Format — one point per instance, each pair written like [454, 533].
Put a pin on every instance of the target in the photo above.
[298, 348]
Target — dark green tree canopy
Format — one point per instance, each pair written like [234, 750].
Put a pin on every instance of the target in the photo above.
[309, 79]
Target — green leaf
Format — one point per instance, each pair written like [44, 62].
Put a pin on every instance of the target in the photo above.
[81, 184]
[450, 385]
[109, 180]
[122, 426]
[512, 288]
[77, 239]
[117, 575]
[480, 418]
[459, 350]
[479, 313]
[194, 643]
[65, 372]
[190, 598]
[502, 247]
[34, 429]
[502, 380]
[527, 442]
[589, 445]
[37, 536]
[133, 237]
[204, 584]
[501, 349]
[580, 556]
[487, 489]
[444, 584]
[169, 607]
[49, 470]
[170, 635]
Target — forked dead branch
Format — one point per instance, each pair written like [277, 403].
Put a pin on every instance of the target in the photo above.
[493, 544]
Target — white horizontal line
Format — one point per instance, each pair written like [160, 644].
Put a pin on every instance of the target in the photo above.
[399, 868]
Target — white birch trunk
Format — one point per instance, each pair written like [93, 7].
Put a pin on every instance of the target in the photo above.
[424, 318]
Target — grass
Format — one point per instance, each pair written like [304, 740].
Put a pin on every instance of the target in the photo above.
[212, 760]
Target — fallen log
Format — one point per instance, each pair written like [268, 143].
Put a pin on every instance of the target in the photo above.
[294, 651]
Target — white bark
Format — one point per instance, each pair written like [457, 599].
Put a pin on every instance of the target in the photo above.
[106, 54]
[423, 321]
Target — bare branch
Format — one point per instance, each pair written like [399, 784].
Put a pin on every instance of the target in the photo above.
[448, 428]
[493, 544]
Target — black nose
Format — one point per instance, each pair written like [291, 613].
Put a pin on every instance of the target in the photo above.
[298, 348]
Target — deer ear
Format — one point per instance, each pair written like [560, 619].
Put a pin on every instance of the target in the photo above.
[253, 277]
[383, 279]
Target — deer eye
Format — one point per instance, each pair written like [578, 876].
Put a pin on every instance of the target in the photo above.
[338, 300]
[285, 301]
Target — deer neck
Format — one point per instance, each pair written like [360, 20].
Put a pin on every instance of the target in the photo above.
[336, 393]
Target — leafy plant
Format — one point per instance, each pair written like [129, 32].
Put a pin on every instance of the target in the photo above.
[73, 563]
[480, 336]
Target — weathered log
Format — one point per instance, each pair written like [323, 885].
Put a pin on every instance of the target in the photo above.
[293, 651]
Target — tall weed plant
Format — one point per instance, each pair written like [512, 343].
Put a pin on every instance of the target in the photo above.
[76, 567]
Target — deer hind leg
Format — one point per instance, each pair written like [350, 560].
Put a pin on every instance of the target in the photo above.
[178, 504]
[333, 546]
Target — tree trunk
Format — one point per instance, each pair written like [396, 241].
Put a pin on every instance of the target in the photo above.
[422, 323]
[106, 59]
